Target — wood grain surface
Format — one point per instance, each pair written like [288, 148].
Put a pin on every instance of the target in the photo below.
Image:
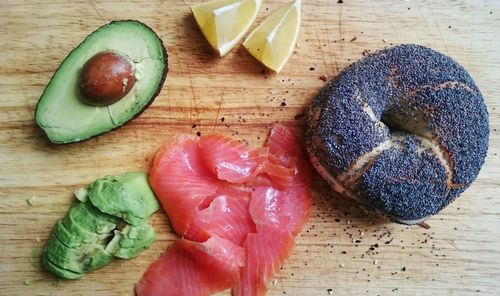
[342, 250]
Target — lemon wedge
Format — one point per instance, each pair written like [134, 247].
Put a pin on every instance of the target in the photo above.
[224, 22]
[273, 41]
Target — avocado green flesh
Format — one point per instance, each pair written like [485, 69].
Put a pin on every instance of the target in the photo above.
[66, 258]
[67, 274]
[77, 260]
[66, 237]
[131, 241]
[127, 196]
[81, 234]
[63, 115]
[81, 194]
[90, 220]
[88, 238]
[71, 241]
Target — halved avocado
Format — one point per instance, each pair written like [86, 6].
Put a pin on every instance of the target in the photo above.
[127, 196]
[62, 111]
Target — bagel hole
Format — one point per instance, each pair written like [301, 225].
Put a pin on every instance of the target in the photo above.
[407, 121]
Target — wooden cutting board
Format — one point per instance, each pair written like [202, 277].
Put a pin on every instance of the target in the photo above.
[342, 250]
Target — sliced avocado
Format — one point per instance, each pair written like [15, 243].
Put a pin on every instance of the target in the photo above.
[127, 196]
[91, 219]
[90, 236]
[77, 260]
[85, 222]
[131, 241]
[81, 233]
[67, 274]
[70, 239]
[63, 113]
[64, 257]
[66, 237]
[82, 194]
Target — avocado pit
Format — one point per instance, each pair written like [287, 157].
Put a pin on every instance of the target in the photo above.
[106, 78]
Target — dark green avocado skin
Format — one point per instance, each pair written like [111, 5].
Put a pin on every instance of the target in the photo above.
[163, 76]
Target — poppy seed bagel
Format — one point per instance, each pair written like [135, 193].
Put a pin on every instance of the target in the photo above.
[404, 130]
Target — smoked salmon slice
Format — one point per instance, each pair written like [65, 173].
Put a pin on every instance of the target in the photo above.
[181, 181]
[193, 268]
[226, 217]
[231, 160]
[290, 207]
[279, 215]
[236, 208]
[266, 252]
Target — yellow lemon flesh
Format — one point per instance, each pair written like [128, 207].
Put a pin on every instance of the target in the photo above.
[273, 41]
[224, 22]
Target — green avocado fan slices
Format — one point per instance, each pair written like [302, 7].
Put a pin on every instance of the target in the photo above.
[96, 229]
[81, 102]
[123, 196]
[131, 240]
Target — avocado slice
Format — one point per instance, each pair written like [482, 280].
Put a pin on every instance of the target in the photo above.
[61, 111]
[78, 241]
[70, 239]
[81, 194]
[66, 237]
[64, 273]
[62, 256]
[80, 260]
[131, 240]
[126, 196]
[85, 225]
[89, 221]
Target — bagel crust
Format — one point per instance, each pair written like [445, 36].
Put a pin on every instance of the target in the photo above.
[404, 130]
